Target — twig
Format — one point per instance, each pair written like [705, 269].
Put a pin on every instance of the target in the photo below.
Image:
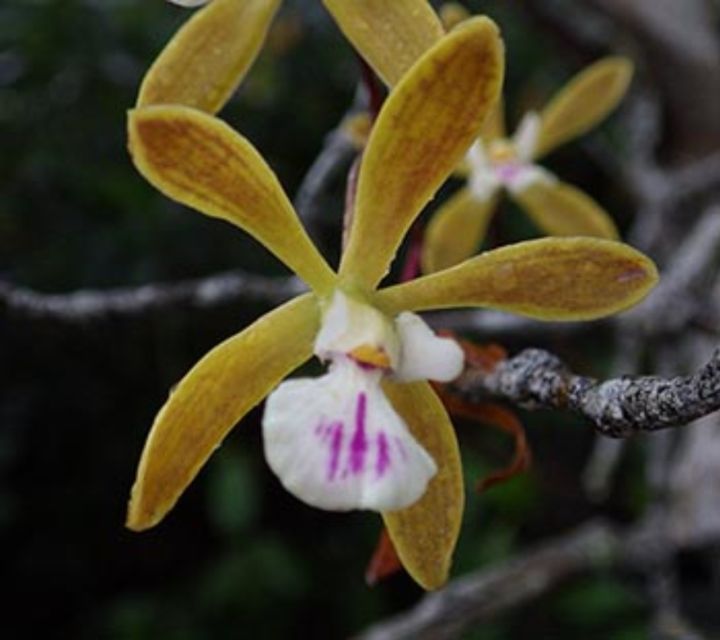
[692, 261]
[488, 592]
[619, 408]
[332, 162]
[90, 305]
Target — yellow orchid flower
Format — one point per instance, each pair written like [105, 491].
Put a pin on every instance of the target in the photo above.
[205, 61]
[390, 36]
[496, 162]
[370, 433]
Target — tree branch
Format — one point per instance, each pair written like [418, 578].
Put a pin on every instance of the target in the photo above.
[536, 379]
[89, 305]
[488, 592]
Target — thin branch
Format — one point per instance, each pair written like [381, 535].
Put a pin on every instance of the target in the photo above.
[692, 261]
[486, 593]
[89, 305]
[619, 408]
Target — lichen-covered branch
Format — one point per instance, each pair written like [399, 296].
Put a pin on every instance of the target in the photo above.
[536, 379]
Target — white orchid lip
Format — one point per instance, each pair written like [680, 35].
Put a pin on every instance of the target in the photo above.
[507, 163]
[336, 442]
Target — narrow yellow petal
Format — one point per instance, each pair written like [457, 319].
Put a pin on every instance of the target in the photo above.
[456, 230]
[494, 125]
[423, 131]
[452, 14]
[201, 162]
[390, 35]
[549, 279]
[206, 60]
[217, 392]
[425, 534]
[559, 209]
[588, 98]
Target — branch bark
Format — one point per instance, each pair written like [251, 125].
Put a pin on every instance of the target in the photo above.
[84, 306]
[619, 408]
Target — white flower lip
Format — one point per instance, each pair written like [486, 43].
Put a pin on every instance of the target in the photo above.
[336, 443]
[517, 172]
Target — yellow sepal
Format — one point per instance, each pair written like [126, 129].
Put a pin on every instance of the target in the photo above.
[425, 534]
[201, 162]
[207, 403]
[456, 230]
[208, 57]
[548, 279]
[583, 102]
[559, 209]
[422, 132]
[389, 34]
[494, 125]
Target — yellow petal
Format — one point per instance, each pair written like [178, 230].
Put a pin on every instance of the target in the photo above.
[216, 393]
[452, 14]
[456, 230]
[423, 131]
[199, 161]
[494, 125]
[425, 533]
[205, 61]
[549, 279]
[588, 98]
[390, 35]
[559, 209]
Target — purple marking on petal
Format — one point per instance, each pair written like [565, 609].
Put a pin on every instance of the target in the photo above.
[335, 446]
[359, 444]
[508, 172]
[383, 456]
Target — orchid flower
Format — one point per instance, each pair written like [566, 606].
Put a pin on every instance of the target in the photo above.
[370, 433]
[496, 162]
[391, 38]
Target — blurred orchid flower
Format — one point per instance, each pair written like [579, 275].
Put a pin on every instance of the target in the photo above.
[496, 162]
[370, 433]
[390, 36]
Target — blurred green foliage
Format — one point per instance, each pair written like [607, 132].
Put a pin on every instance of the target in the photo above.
[238, 557]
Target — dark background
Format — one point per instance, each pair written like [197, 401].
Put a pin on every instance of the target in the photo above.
[238, 557]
